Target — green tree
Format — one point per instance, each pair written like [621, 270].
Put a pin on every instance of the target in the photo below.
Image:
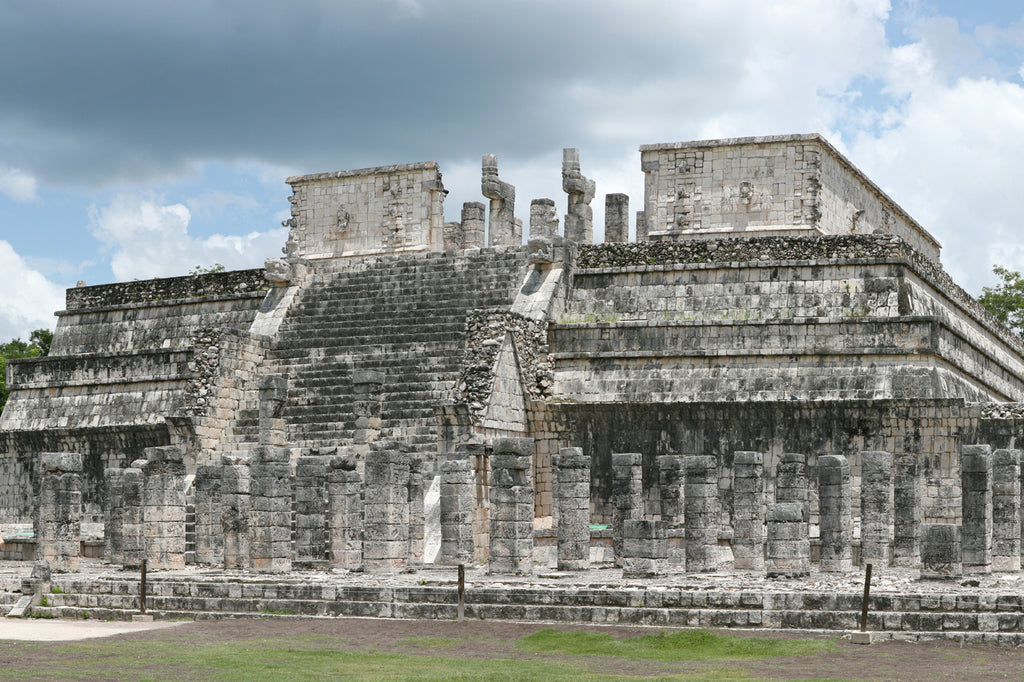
[1006, 300]
[38, 345]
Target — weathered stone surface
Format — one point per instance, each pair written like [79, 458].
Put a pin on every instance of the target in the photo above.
[511, 498]
[875, 507]
[748, 510]
[788, 547]
[627, 494]
[501, 229]
[941, 552]
[834, 516]
[571, 469]
[57, 524]
[1006, 510]
[700, 494]
[579, 221]
[616, 218]
[976, 491]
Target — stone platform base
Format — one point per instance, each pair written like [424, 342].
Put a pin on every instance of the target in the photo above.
[901, 606]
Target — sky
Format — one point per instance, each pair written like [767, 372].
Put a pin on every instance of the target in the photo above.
[144, 139]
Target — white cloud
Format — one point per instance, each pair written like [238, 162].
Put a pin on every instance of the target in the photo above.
[29, 299]
[152, 240]
[16, 184]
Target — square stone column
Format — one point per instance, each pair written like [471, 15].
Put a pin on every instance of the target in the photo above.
[791, 484]
[164, 502]
[386, 508]
[1006, 509]
[670, 487]
[133, 508]
[644, 549]
[235, 508]
[58, 518]
[416, 511]
[543, 219]
[345, 509]
[572, 499]
[310, 490]
[474, 225]
[511, 498]
[906, 519]
[875, 507]
[789, 549]
[834, 513]
[700, 495]
[273, 393]
[113, 516]
[270, 518]
[976, 496]
[616, 218]
[456, 509]
[941, 552]
[209, 529]
[748, 510]
[627, 494]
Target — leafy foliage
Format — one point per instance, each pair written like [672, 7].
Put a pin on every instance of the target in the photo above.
[37, 346]
[206, 269]
[1006, 300]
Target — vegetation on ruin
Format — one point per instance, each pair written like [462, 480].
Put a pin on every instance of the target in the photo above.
[38, 345]
[206, 269]
[1006, 299]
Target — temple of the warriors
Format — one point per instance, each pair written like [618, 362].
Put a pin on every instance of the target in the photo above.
[763, 369]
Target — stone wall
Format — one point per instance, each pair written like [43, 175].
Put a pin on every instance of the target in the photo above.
[787, 184]
[388, 209]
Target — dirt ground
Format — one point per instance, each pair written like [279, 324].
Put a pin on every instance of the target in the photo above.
[892, 660]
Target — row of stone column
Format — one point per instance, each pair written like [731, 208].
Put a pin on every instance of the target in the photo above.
[507, 230]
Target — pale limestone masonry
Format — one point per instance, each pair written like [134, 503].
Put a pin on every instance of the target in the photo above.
[209, 533]
[345, 505]
[236, 507]
[58, 522]
[748, 510]
[164, 507]
[389, 209]
[511, 498]
[572, 499]
[1006, 510]
[791, 184]
[627, 495]
[774, 300]
[457, 509]
[941, 552]
[701, 516]
[875, 507]
[834, 524]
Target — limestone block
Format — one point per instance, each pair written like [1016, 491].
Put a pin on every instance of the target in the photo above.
[748, 511]
[834, 515]
[788, 547]
[976, 497]
[941, 552]
[616, 218]
[875, 507]
[906, 541]
[1006, 510]
[572, 500]
[700, 492]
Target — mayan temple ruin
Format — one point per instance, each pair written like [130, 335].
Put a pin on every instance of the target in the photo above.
[762, 373]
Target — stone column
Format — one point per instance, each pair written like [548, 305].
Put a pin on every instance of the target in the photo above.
[456, 509]
[416, 518]
[976, 496]
[941, 552]
[345, 510]
[906, 526]
[58, 517]
[875, 507]
[700, 496]
[644, 550]
[543, 219]
[386, 508]
[579, 221]
[616, 218]
[164, 502]
[789, 550]
[511, 497]
[670, 486]
[113, 516]
[748, 511]
[627, 495]
[791, 479]
[133, 506]
[834, 513]
[572, 500]
[503, 201]
[1006, 530]
[209, 528]
[641, 226]
[454, 240]
[367, 402]
[310, 489]
[473, 225]
[235, 506]
[270, 521]
[273, 395]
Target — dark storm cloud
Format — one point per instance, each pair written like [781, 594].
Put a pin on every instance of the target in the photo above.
[93, 91]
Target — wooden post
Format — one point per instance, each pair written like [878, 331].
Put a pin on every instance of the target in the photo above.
[864, 605]
[142, 589]
[462, 593]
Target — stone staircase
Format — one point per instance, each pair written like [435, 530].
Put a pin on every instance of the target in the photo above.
[402, 317]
